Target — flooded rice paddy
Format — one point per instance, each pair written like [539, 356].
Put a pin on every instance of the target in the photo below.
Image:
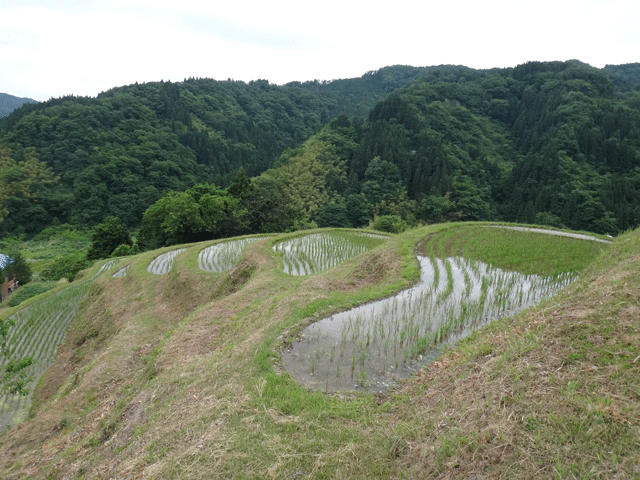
[163, 264]
[34, 336]
[316, 252]
[372, 346]
[222, 257]
[122, 272]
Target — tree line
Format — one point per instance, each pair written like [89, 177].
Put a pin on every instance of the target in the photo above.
[555, 143]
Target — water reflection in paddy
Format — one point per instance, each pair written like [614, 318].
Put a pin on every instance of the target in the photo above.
[371, 346]
[315, 252]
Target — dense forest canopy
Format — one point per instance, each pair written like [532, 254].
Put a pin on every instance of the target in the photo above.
[554, 143]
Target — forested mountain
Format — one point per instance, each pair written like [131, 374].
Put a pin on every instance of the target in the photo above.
[117, 153]
[551, 143]
[625, 77]
[8, 103]
[357, 96]
[555, 143]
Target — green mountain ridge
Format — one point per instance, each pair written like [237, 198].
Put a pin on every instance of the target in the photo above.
[555, 143]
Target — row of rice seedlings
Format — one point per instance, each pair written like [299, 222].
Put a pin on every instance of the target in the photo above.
[319, 251]
[108, 265]
[122, 272]
[35, 334]
[389, 338]
[163, 263]
[222, 257]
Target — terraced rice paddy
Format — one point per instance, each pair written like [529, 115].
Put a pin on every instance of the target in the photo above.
[371, 346]
[163, 263]
[121, 272]
[222, 257]
[313, 253]
[36, 333]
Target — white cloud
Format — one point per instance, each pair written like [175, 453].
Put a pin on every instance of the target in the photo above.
[53, 48]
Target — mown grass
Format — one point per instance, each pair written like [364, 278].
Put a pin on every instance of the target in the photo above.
[187, 384]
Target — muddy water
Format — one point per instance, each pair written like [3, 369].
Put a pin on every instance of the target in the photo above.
[372, 346]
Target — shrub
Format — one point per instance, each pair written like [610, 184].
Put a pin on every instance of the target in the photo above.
[389, 223]
[107, 237]
[122, 250]
[18, 269]
[65, 267]
[26, 292]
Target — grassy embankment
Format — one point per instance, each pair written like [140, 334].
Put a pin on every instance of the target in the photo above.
[176, 376]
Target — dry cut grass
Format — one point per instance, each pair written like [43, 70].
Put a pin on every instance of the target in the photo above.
[554, 393]
[151, 384]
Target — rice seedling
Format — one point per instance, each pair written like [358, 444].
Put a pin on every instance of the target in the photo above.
[121, 272]
[34, 335]
[316, 252]
[163, 263]
[222, 257]
[454, 297]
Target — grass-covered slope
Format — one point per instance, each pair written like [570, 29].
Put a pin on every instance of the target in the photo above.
[177, 376]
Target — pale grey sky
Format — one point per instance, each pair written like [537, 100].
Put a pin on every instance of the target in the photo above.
[51, 48]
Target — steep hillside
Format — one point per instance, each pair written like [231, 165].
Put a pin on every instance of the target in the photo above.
[178, 375]
[359, 95]
[117, 153]
[626, 77]
[550, 143]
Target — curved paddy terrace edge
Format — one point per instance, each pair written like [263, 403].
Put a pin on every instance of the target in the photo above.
[374, 345]
[183, 382]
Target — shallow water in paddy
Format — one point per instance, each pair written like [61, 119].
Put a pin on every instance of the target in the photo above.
[222, 257]
[315, 252]
[373, 345]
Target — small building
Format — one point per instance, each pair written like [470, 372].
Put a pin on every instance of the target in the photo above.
[5, 260]
[8, 286]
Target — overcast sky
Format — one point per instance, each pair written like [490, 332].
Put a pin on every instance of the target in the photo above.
[51, 48]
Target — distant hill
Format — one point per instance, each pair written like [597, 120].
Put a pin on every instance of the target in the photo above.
[8, 103]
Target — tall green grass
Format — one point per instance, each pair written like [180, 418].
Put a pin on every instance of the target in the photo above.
[522, 251]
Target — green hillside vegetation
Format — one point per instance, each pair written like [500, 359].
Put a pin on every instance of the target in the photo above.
[178, 375]
[553, 143]
[232, 215]
[117, 153]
